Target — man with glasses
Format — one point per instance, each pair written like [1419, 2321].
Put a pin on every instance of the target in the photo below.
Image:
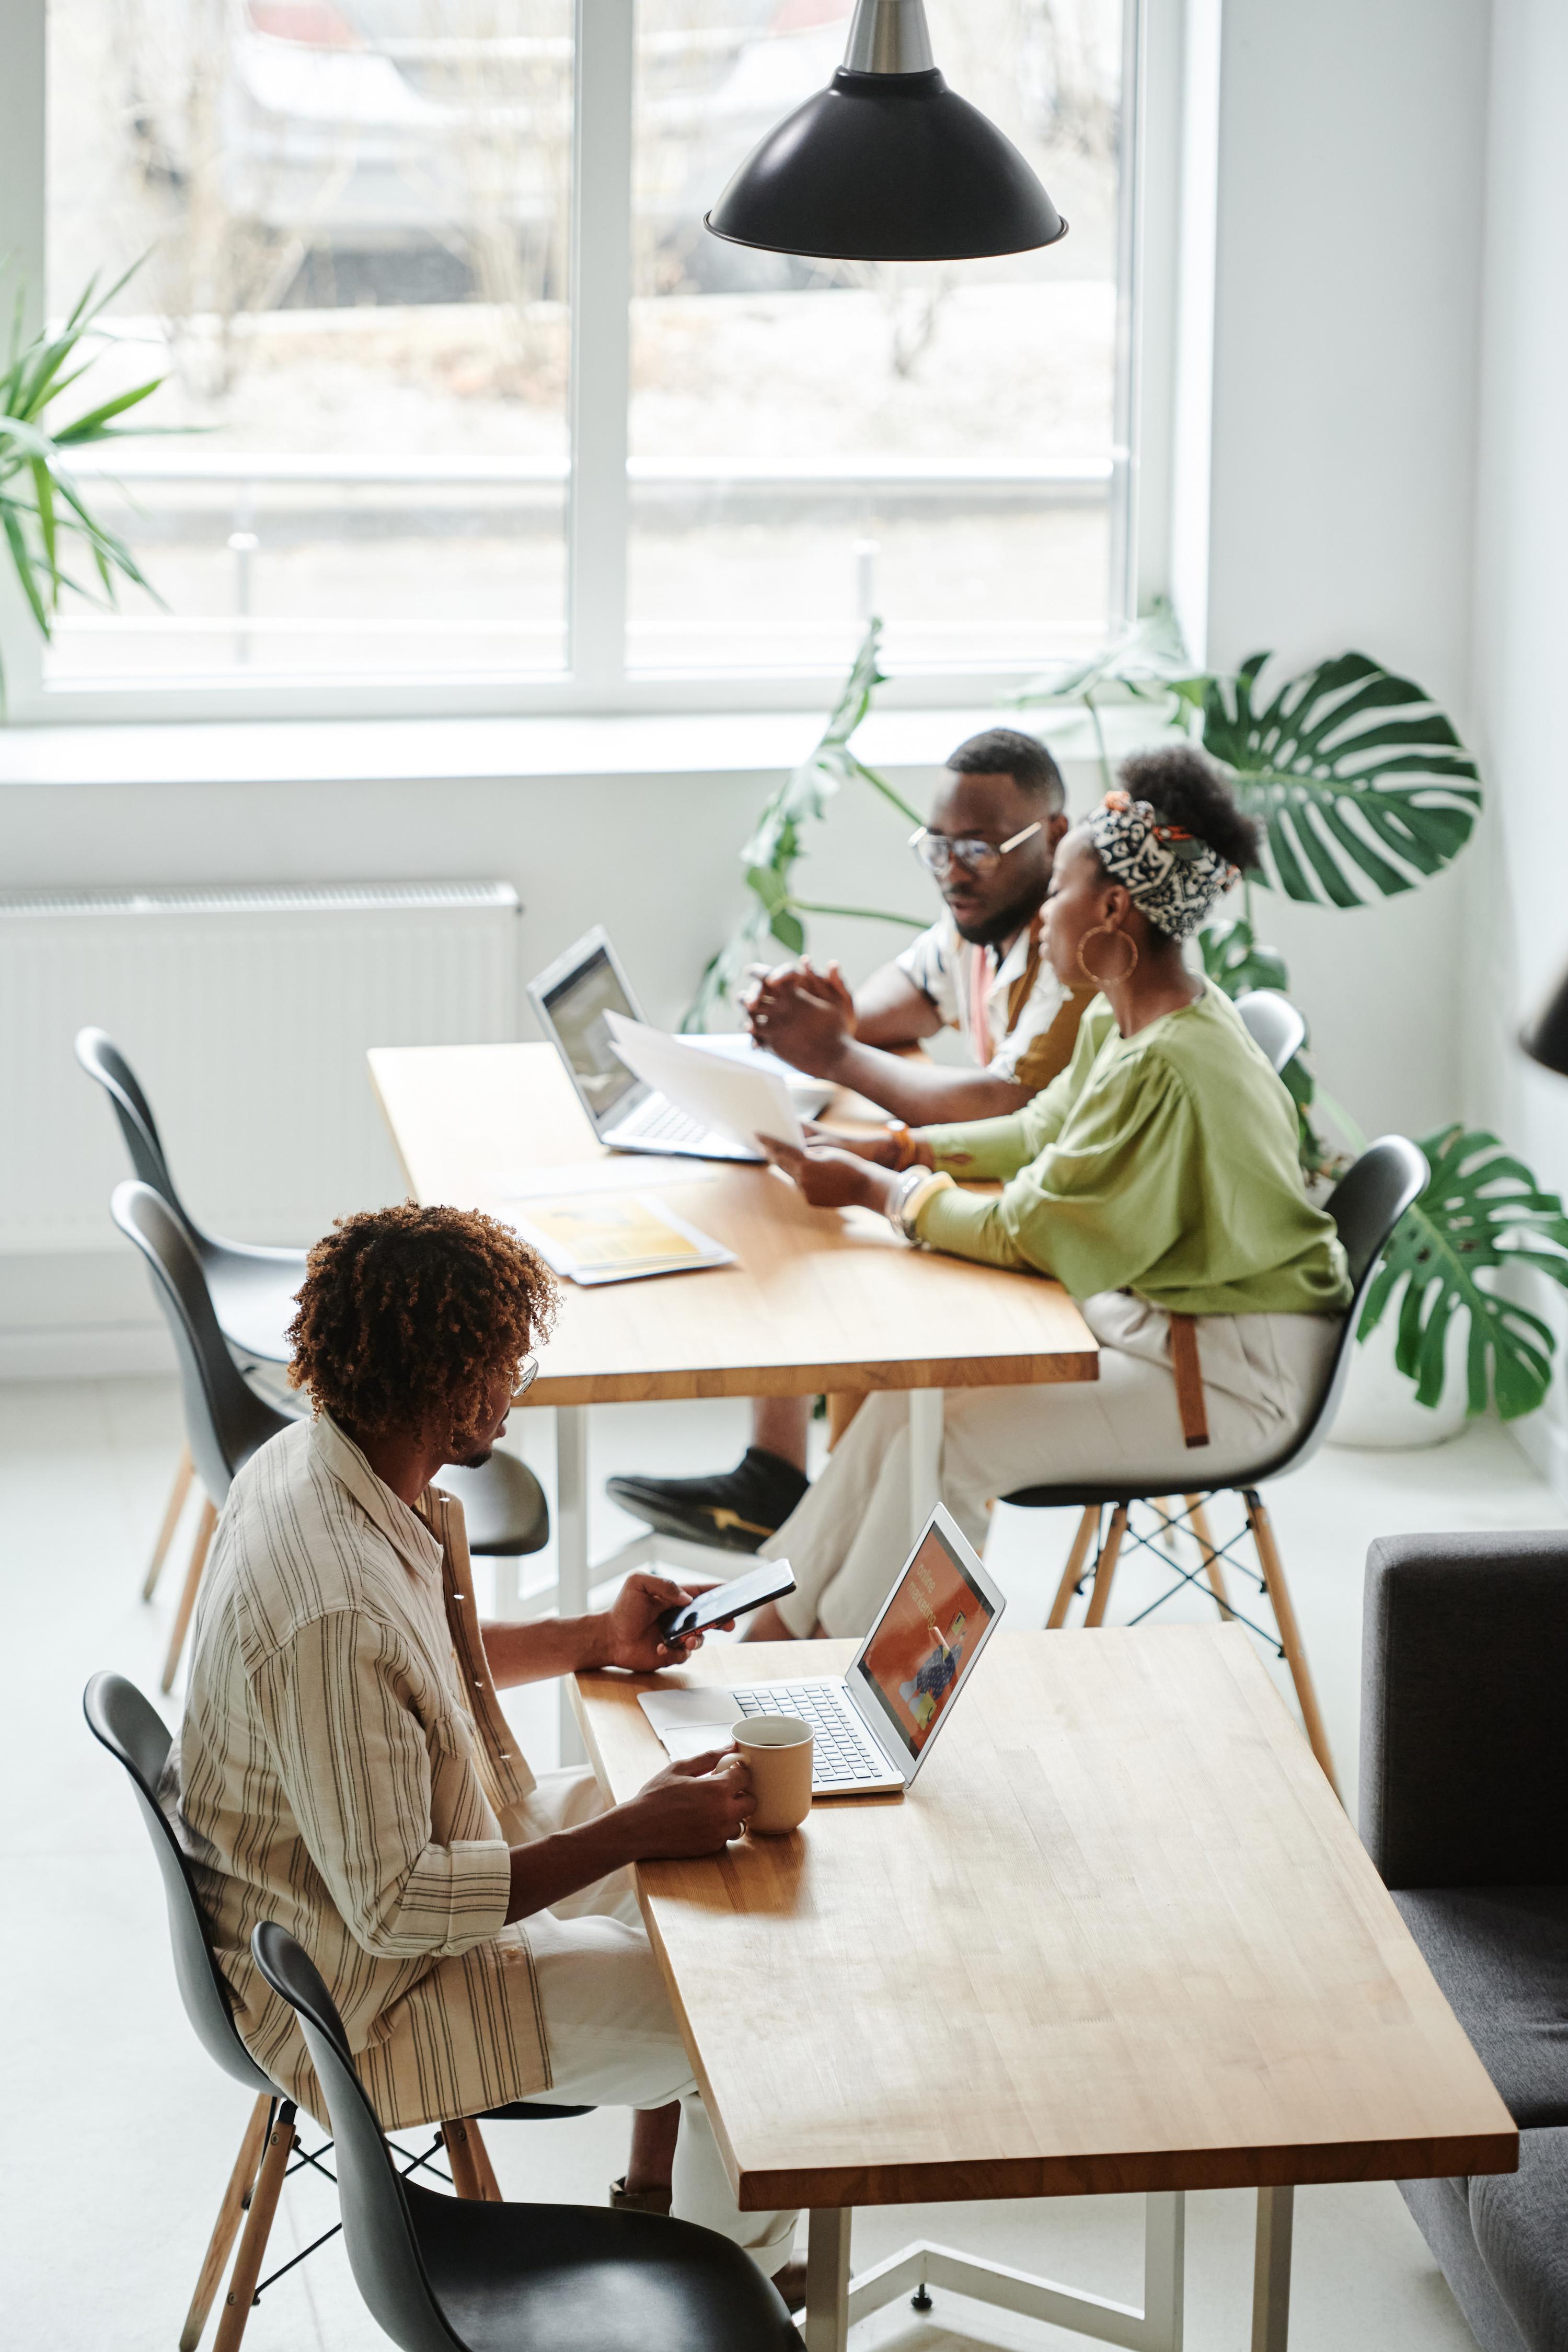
[992, 833]
[345, 1766]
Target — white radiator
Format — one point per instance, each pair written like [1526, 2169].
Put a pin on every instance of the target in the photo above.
[246, 1014]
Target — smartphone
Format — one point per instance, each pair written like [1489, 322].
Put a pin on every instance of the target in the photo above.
[736, 1598]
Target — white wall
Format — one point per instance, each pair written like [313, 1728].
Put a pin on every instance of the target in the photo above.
[1522, 615]
[1337, 486]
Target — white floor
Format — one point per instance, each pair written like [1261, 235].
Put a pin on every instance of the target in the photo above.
[120, 2133]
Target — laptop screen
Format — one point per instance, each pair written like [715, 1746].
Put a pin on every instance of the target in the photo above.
[577, 1006]
[928, 1632]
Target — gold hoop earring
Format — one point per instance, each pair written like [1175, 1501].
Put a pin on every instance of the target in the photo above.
[1115, 978]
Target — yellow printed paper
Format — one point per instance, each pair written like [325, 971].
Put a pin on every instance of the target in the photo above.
[612, 1231]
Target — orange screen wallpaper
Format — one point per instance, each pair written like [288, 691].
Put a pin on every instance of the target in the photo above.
[924, 1641]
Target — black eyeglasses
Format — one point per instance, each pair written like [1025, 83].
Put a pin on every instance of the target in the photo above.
[527, 1373]
[939, 854]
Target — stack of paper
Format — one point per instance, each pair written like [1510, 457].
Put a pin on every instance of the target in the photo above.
[616, 1237]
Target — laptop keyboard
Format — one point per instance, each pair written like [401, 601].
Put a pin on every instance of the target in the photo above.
[840, 1753]
[668, 1124]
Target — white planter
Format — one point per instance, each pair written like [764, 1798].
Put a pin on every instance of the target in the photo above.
[1379, 1407]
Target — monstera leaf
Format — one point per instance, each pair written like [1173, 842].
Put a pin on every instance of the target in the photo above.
[1149, 658]
[1357, 779]
[1481, 1211]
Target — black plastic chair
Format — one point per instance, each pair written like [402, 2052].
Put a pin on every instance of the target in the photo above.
[441, 2276]
[252, 1293]
[1366, 1205]
[139, 1739]
[227, 1421]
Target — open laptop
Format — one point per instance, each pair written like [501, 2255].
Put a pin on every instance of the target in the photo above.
[875, 1724]
[570, 999]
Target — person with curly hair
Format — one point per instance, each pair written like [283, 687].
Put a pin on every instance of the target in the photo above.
[1157, 1179]
[345, 1769]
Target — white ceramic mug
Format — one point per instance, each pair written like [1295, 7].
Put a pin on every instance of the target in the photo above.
[777, 1751]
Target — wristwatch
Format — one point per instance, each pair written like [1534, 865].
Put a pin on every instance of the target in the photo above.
[909, 1195]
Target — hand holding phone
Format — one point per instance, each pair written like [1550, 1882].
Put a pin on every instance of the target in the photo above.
[737, 1597]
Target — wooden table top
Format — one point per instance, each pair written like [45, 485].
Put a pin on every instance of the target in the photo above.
[819, 1298]
[1118, 1936]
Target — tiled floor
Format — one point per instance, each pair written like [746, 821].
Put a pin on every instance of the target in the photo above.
[119, 2133]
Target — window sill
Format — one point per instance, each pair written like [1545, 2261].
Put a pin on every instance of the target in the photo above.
[385, 750]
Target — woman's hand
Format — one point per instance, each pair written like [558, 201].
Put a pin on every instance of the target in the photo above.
[631, 1623]
[696, 1805]
[831, 1178]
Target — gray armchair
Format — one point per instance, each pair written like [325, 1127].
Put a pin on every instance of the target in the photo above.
[1464, 1804]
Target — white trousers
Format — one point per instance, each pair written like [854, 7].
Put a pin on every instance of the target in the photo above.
[1263, 1376]
[611, 2033]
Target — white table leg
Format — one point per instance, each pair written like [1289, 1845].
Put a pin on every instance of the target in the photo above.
[926, 1456]
[1271, 2270]
[828, 2279]
[570, 1547]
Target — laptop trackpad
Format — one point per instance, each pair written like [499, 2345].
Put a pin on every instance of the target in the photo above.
[691, 1722]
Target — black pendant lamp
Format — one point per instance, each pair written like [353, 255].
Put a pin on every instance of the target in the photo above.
[886, 164]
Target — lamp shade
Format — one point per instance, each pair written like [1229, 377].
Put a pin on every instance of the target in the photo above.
[1545, 1039]
[886, 164]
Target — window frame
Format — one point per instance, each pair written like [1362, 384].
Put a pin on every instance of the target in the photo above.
[595, 680]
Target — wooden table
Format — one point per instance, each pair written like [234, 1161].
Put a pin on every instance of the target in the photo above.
[819, 1299]
[1119, 1937]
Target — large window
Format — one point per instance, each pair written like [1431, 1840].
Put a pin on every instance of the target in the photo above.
[480, 403]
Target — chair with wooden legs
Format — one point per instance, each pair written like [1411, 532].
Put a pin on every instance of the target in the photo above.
[227, 1421]
[270, 2150]
[1366, 1204]
[252, 1293]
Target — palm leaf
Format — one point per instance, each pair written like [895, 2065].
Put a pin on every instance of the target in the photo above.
[1151, 654]
[1481, 1211]
[1358, 782]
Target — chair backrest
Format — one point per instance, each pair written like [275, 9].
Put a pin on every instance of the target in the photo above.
[137, 1737]
[1272, 1023]
[1365, 1204]
[226, 1421]
[101, 1058]
[378, 2228]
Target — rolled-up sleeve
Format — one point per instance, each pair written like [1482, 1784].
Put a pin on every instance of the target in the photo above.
[354, 1759]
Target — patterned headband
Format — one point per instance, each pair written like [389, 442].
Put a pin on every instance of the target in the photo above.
[1171, 875]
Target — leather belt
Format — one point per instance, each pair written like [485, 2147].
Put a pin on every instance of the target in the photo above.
[1189, 1379]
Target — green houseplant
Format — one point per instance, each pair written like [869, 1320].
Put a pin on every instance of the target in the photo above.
[43, 515]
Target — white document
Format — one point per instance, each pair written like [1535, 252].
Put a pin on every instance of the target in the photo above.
[809, 1096]
[726, 1094]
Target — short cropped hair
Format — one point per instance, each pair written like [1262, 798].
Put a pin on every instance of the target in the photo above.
[408, 1314]
[1006, 751]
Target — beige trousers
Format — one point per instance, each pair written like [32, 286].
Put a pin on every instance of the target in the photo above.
[1263, 1376]
[611, 2033]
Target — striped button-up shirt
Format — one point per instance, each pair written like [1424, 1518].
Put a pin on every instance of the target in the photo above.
[344, 1768]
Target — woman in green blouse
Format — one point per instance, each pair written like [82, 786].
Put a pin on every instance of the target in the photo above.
[1156, 1177]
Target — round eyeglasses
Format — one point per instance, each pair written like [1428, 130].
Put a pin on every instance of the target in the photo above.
[939, 854]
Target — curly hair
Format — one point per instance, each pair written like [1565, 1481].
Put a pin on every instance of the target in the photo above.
[1184, 786]
[406, 1314]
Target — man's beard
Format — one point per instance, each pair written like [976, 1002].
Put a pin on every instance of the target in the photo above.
[477, 1459]
[1001, 926]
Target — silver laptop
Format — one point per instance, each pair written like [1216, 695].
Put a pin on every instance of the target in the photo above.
[570, 1000]
[874, 1725]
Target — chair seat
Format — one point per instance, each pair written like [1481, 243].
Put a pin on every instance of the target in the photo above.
[1500, 1956]
[504, 1508]
[1062, 1499]
[573, 2278]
